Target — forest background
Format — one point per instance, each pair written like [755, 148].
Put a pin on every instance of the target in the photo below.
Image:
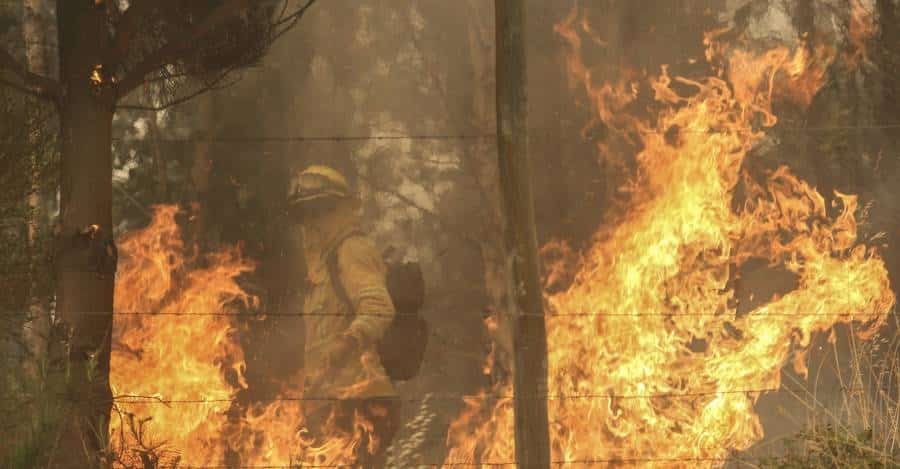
[400, 96]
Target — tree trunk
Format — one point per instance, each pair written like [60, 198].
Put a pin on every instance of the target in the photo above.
[523, 270]
[84, 298]
[36, 28]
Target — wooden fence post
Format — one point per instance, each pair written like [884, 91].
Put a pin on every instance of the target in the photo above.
[526, 300]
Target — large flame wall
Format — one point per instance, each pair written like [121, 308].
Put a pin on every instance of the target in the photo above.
[650, 360]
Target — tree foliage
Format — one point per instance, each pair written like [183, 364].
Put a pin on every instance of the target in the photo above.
[180, 42]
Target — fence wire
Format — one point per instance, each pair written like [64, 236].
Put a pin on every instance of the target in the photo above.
[464, 397]
[133, 399]
[490, 136]
[250, 315]
[558, 462]
[484, 464]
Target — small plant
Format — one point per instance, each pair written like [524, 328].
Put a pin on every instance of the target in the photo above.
[32, 418]
[405, 448]
[133, 448]
[863, 430]
[830, 448]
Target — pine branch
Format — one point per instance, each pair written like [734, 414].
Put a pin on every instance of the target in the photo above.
[214, 84]
[172, 51]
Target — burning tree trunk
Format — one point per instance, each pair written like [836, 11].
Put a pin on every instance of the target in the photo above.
[526, 299]
[84, 298]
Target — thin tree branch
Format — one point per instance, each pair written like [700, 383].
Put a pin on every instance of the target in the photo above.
[133, 201]
[23, 89]
[128, 25]
[35, 84]
[175, 76]
[293, 18]
[284, 7]
[171, 51]
[211, 86]
[457, 230]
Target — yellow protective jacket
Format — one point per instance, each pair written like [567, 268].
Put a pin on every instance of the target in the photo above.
[327, 316]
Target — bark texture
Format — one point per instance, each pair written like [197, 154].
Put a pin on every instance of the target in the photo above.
[84, 298]
[526, 299]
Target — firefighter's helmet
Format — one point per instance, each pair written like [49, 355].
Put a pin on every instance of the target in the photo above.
[317, 182]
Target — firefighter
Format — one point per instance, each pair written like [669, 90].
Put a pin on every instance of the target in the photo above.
[344, 317]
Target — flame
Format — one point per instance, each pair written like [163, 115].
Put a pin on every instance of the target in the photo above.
[486, 415]
[806, 71]
[274, 433]
[860, 31]
[169, 346]
[183, 346]
[649, 356]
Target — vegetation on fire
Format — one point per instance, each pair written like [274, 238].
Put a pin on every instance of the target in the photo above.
[194, 191]
[857, 428]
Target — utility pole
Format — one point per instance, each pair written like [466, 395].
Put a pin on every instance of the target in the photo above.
[526, 300]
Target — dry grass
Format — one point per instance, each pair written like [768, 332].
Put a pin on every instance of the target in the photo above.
[405, 451]
[859, 429]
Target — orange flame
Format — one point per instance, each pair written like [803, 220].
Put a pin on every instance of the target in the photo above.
[274, 433]
[861, 30]
[169, 345]
[649, 357]
[182, 346]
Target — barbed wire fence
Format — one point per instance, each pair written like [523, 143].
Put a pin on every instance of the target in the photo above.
[488, 397]
[152, 400]
[681, 394]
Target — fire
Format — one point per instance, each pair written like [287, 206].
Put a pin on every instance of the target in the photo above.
[485, 416]
[649, 357]
[861, 30]
[169, 345]
[274, 433]
[177, 366]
